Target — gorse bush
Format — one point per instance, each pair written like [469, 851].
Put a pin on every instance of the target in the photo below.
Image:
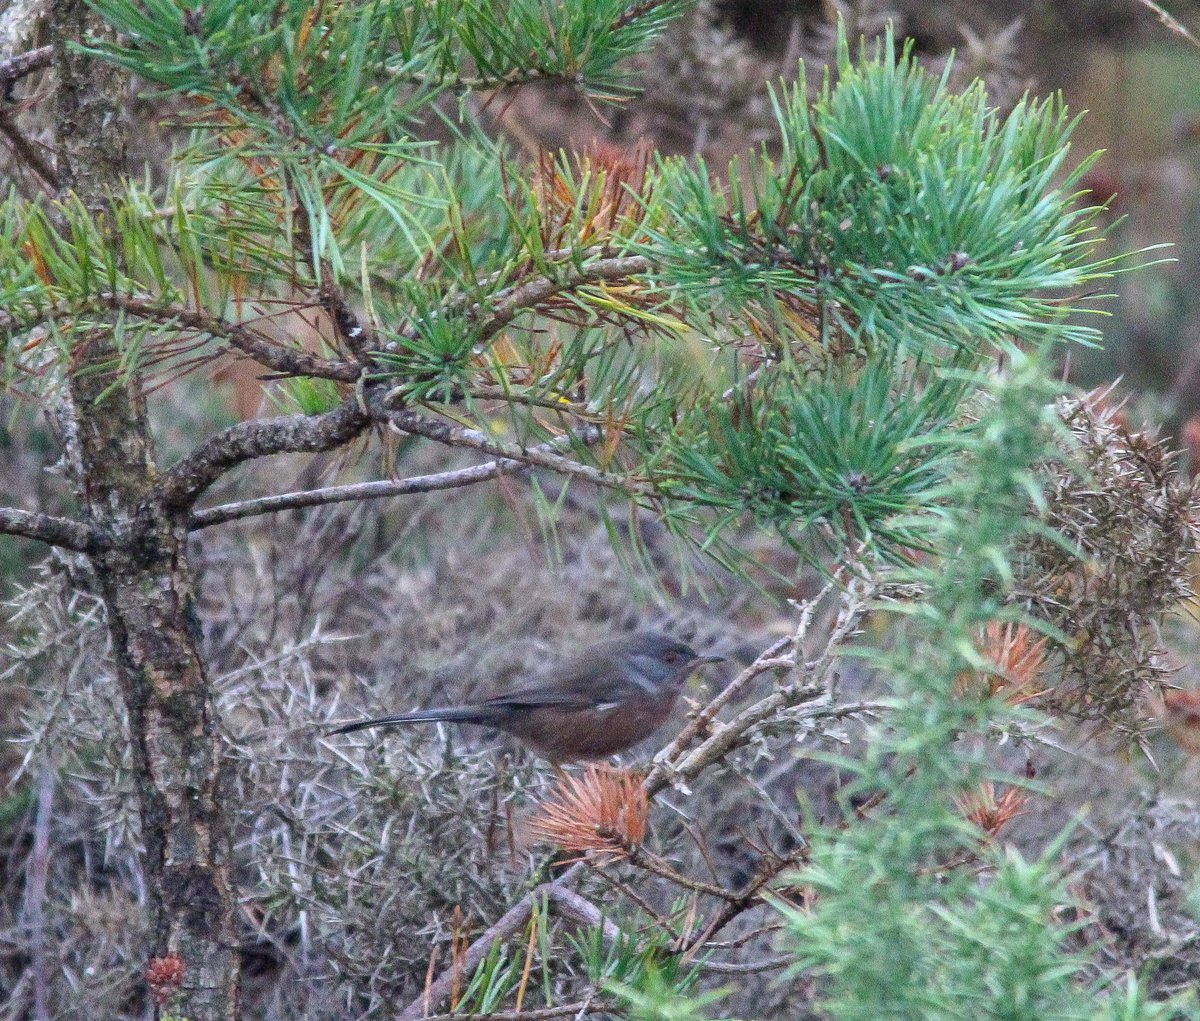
[824, 366]
[917, 912]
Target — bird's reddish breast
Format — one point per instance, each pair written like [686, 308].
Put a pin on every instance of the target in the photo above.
[565, 735]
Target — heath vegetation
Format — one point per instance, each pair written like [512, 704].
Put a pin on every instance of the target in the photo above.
[801, 406]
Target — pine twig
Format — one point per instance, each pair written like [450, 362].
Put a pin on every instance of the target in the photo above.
[379, 489]
[453, 435]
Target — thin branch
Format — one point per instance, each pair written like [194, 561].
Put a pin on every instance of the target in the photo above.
[289, 361]
[662, 921]
[529, 295]
[453, 435]
[27, 152]
[510, 302]
[358, 491]
[511, 922]
[65, 532]
[652, 863]
[677, 765]
[189, 477]
[770, 659]
[738, 730]
[15, 68]
[747, 937]
[281, 358]
[748, 968]
[376, 490]
[1174, 24]
[747, 898]
[192, 475]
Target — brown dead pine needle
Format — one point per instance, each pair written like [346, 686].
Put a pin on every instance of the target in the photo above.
[602, 811]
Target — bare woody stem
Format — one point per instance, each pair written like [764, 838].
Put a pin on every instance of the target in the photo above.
[382, 488]
[508, 924]
[65, 532]
[357, 491]
[804, 698]
[652, 863]
[23, 64]
[453, 435]
[289, 360]
[770, 659]
[193, 474]
[577, 1009]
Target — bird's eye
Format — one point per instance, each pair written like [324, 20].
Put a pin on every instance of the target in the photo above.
[672, 656]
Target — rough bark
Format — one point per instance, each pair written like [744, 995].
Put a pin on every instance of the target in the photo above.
[147, 587]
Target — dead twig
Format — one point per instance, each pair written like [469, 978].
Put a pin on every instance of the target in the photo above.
[511, 922]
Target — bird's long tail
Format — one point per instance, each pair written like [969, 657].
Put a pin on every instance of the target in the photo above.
[445, 714]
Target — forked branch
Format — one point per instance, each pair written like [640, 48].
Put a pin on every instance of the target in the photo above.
[263, 437]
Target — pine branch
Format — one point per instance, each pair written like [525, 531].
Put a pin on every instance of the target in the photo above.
[64, 532]
[286, 360]
[242, 337]
[378, 489]
[460, 436]
[529, 295]
[189, 477]
[15, 68]
[532, 294]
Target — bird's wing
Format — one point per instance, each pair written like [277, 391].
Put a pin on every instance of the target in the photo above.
[538, 695]
[584, 680]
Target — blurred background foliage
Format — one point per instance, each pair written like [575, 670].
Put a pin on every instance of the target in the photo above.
[425, 599]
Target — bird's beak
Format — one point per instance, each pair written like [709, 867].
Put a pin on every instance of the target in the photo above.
[711, 659]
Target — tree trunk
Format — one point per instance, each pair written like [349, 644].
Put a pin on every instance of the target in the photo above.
[147, 588]
[146, 584]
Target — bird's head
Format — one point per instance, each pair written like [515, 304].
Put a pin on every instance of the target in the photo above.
[659, 661]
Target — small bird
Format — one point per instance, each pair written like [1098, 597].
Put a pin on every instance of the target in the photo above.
[600, 701]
